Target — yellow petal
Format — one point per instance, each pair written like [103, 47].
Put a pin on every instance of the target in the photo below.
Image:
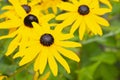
[34, 2]
[18, 8]
[36, 76]
[63, 16]
[76, 24]
[67, 22]
[10, 15]
[101, 11]
[64, 36]
[2, 15]
[7, 8]
[18, 54]
[75, 2]
[35, 11]
[107, 2]
[47, 17]
[37, 63]
[13, 45]
[54, 8]
[12, 30]
[41, 61]
[3, 77]
[23, 2]
[29, 55]
[101, 20]
[9, 35]
[67, 6]
[52, 63]
[60, 59]
[53, 24]
[94, 4]
[23, 42]
[92, 25]
[82, 30]
[37, 27]
[45, 77]
[9, 24]
[97, 28]
[86, 2]
[68, 53]
[68, 44]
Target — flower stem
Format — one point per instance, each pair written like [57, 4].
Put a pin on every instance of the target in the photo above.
[100, 38]
[18, 71]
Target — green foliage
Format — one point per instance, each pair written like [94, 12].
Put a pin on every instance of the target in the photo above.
[100, 56]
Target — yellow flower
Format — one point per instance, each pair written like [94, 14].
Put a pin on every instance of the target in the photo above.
[48, 46]
[83, 14]
[51, 4]
[21, 18]
[28, 7]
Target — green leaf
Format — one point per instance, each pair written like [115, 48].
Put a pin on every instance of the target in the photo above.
[24, 75]
[106, 72]
[86, 73]
[107, 57]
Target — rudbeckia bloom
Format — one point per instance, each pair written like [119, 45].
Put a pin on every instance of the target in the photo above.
[28, 7]
[48, 46]
[83, 14]
[21, 19]
[51, 4]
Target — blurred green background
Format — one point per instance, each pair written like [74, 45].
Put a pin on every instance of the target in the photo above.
[100, 56]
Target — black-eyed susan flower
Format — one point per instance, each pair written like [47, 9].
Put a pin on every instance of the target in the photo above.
[48, 46]
[83, 14]
[28, 7]
[51, 4]
[21, 18]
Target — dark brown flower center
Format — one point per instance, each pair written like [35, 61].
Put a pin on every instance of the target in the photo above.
[46, 39]
[26, 8]
[83, 10]
[65, 0]
[29, 19]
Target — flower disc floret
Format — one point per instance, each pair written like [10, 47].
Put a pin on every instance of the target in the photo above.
[29, 19]
[26, 8]
[83, 10]
[65, 0]
[46, 39]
